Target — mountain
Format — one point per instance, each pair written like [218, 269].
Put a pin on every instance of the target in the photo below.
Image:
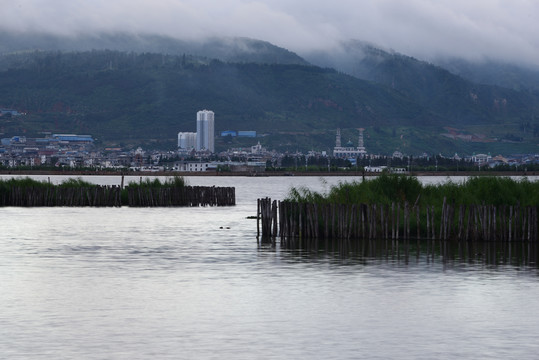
[363, 60]
[459, 100]
[490, 72]
[137, 98]
[243, 50]
[149, 87]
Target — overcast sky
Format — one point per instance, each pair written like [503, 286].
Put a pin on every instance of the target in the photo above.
[506, 29]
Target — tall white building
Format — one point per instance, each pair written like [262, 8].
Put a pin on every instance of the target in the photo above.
[187, 140]
[205, 131]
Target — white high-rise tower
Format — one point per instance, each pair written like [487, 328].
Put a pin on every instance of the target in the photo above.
[205, 139]
[187, 141]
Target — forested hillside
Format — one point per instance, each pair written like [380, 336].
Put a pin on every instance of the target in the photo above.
[145, 98]
[459, 100]
[229, 49]
[118, 95]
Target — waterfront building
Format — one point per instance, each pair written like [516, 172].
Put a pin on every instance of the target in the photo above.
[194, 166]
[205, 137]
[481, 159]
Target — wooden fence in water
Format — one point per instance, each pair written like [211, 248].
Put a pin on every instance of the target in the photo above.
[115, 196]
[181, 196]
[31, 196]
[311, 222]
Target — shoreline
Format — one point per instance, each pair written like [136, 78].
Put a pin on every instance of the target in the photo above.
[261, 174]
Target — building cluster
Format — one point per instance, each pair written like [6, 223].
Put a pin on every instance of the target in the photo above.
[196, 153]
[200, 145]
[251, 159]
[74, 151]
[482, 160]
[203, 140]
[52, 149]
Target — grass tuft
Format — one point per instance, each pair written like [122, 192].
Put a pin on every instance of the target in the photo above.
[389, 188]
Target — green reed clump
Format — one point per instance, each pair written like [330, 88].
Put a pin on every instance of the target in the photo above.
[27, 182]
[305, 195]
[384, 189]
[76, 183]
[389, 188]
[490, 190]
[175, 182]
[22, 183]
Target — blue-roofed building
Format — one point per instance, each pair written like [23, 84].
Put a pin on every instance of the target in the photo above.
[73, 138]
[231, 133]
[247, 134]
[12, 112]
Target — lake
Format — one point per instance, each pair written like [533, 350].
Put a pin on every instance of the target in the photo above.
[194, 283]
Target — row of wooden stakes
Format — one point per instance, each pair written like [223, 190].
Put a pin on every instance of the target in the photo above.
[184, 196]
[30, 196]
[113, 196]
[293, 220]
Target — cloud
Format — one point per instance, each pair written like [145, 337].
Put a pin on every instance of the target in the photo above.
[422, 28]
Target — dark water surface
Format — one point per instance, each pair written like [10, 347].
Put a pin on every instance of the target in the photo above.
[192, 283]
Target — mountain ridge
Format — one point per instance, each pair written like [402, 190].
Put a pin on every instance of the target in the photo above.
[271, 92]
[233, 49]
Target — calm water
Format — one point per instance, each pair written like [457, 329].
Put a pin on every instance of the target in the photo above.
[192, 283]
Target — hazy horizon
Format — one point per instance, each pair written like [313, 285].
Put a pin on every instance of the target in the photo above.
[425, 29]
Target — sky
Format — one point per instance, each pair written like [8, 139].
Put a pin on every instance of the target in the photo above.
[473, 29]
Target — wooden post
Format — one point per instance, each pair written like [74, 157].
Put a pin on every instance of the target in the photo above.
[300, 223]
[428, 222]
[442, 221]
[274, 216]
[432, 227]
[397, 230]
[461, 220]
[418, 222]
[258, 219]
[407, 217]
[393, 220]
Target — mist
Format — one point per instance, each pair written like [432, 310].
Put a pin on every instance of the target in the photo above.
[426, 29]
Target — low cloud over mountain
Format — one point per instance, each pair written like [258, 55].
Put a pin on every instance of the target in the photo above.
[426, 29]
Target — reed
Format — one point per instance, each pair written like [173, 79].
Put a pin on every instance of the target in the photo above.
[489, 190]
[147, 193]
[175, 182]
[75, 183]
[400, 207]
[389, 188]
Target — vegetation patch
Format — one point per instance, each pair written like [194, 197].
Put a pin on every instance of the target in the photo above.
[76, 192]
[391, 188]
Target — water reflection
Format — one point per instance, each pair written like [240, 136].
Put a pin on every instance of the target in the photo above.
[516, 254]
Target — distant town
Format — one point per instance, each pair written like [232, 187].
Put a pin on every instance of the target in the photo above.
[196, 153]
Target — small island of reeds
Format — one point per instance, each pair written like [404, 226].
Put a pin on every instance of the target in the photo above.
[400, 207]
[27, 192]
